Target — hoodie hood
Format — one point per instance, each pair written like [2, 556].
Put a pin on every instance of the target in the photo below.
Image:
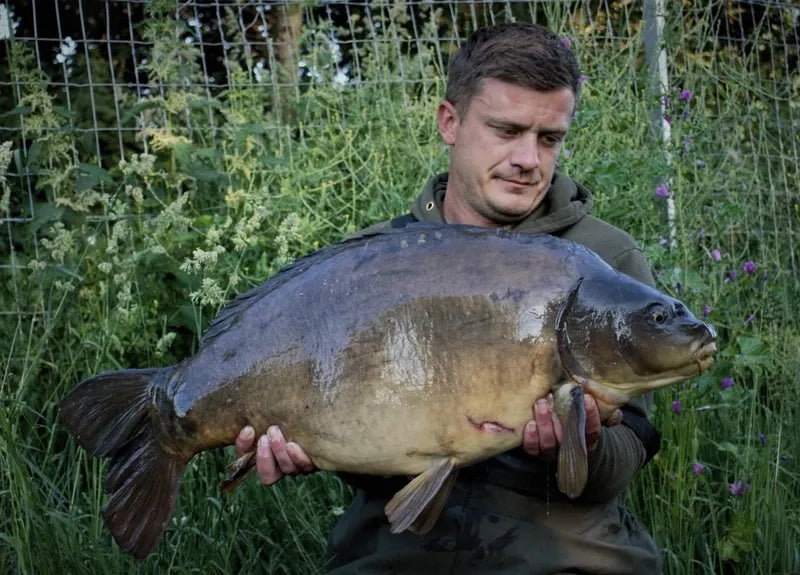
[564, 205]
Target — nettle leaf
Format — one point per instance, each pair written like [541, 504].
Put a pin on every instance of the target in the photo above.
[740, 539]
[748, 352]
[752, 351]
[203, 103]
[200, 163]
[141, 106]
[704, 382]
[246, 130]
[33, 153]
[18, 111]
[90, 175]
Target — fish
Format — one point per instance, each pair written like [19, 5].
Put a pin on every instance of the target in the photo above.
[410, 352]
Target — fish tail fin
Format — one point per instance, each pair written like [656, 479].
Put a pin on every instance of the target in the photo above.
[110, 415]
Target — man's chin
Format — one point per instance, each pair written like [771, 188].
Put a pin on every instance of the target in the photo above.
[506, 215]
[515, 208]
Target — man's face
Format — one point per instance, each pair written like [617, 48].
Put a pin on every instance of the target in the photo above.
[503, 151]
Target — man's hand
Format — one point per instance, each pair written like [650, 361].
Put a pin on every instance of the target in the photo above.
[542, 435]
[274, 456]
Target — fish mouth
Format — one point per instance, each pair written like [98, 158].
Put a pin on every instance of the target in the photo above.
[704, 356]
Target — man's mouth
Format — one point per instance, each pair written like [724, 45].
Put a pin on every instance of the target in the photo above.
[523, 183]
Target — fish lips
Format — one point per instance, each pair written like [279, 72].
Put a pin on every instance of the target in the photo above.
[704, 355]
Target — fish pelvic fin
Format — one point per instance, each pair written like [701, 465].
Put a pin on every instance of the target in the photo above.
[417, 505]
[112, 415]
[430, 514]
[573, 464]
[238, 472]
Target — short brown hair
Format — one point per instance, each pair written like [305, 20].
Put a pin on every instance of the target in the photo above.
[517, 52]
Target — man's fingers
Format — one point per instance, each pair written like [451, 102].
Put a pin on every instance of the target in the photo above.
[277, 443]
[244, 441]
[301, 460]
[530, 439]
[615, 419]
[268, 472]
[548, 442]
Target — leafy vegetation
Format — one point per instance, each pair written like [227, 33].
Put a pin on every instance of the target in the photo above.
[122, 245]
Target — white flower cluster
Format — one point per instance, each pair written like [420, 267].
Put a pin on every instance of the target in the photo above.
[66, 51]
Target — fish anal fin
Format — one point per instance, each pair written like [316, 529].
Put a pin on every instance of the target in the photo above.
[427, 518]
[573, 465]
[413, 499]
[238, 471]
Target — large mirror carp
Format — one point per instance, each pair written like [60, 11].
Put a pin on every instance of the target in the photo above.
[404, 352]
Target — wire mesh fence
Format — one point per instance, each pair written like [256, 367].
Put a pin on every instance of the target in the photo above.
[108, 65]
[159, 156]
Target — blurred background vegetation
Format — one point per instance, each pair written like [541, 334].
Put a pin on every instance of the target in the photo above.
[159, 157]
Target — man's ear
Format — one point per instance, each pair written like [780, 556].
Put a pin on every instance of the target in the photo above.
[448, 122]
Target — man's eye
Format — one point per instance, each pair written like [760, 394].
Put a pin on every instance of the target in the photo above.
[552, 140]
[507, 132]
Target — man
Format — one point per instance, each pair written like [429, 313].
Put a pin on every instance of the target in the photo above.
[511, 92]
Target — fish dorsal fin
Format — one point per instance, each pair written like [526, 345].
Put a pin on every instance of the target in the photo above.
[232, 312]
[413, 507]
[234, 309]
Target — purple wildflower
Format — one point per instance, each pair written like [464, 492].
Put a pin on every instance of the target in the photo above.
[707, 310]
[566, 42]
[727, 382]
[666, 101]
[749, 267]
[738, 488]
[583, 79]
[749, 319]
[662, 241]
[762, 438]
[715, 255]
[697, 468]
[662, 191]
[686, 95]
[730, 276]
[676, 406]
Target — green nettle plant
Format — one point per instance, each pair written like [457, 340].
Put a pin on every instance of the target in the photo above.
[124, 258]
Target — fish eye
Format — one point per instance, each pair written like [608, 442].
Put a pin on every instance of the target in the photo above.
[658, 313]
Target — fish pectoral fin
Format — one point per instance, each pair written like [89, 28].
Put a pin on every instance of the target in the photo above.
[238, 471]
[573, 465]
[417, 505]
[427, 518]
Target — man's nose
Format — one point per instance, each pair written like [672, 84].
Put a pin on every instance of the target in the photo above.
[526, 153]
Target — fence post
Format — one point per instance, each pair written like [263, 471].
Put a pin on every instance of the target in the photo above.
[654, 13]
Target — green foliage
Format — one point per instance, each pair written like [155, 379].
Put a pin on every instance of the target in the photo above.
[127, 246]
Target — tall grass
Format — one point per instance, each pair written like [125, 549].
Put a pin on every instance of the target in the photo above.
[124, 265]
